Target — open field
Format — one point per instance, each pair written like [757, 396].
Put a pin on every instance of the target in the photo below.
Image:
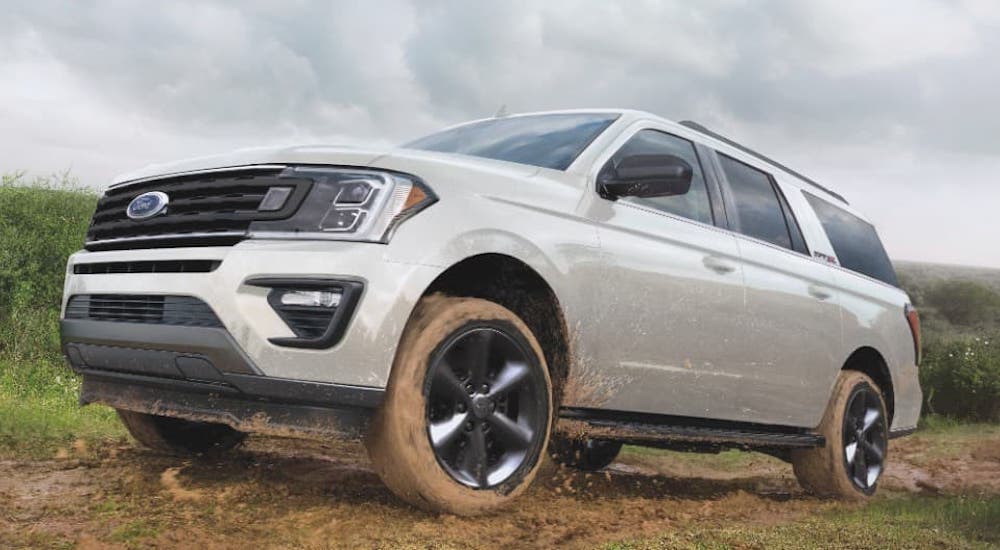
[70, 477]
[942, 491]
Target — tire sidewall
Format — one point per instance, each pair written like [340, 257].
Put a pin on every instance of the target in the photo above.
[823, 470]
[398, 442]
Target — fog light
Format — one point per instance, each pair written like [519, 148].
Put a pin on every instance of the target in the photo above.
[310, 298]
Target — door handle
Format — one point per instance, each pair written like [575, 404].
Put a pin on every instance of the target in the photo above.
[819, 292]
[718, 265]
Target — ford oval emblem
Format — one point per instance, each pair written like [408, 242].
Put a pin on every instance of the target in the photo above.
[147, 205]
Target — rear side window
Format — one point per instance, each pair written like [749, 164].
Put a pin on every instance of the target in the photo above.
[759, 212]
[694, 204]
[854, 240]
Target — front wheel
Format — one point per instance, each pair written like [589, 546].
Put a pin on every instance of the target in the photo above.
[856, 429]
[467, 411]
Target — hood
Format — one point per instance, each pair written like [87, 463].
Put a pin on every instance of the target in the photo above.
[302, 154]
[330, 155]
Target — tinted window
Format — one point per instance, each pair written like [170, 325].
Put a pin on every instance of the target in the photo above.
[758, 209]
[549, 141]
[854, 240]
[695, 203]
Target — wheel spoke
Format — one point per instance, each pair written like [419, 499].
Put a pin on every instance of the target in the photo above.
[856, 410]
[447, 382]
[850, 452]
[445, 432]
[512, 434]
[860, 470]
[873, 473]
[877, 454]
[872, 417]
[510, 376]
[474, 461]
[478, 348]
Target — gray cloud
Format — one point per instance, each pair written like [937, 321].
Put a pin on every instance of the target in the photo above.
[872, 97]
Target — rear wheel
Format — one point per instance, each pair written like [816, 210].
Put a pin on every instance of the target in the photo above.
[856, 429]
[584, 454]
[177, 436]
[467, 411]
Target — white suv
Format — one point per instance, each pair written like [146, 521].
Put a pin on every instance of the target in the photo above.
[595, 277]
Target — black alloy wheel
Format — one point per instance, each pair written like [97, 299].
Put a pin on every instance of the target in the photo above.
[865, 439]
[486, 404]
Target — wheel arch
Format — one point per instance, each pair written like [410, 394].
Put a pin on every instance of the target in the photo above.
[870, 361]
[514, 284]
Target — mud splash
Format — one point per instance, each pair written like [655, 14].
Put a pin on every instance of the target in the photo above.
[313, 494]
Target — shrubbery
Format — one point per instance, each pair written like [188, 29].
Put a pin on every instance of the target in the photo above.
[961, 378]
[960, 374]
[42, 222]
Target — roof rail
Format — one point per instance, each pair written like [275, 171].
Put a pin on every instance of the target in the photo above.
[698, 127]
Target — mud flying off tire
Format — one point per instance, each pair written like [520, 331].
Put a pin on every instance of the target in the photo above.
[467, 411]
[179, 437]
[856, 430]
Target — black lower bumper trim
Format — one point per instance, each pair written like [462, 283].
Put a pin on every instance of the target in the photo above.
[176, 398]
[213, 344]
[202, 374]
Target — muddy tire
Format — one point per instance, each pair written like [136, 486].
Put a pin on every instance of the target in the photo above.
[179, 437]
[588, 455]
[856, 429]
[467, 411]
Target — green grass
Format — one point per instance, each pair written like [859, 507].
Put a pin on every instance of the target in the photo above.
[909, 522]
[728, 461]
[39, 412]
[42, 221]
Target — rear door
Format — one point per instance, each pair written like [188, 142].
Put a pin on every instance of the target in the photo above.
[792, 322]
[671, 295]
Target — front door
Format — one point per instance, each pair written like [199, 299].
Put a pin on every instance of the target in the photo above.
[671, 299]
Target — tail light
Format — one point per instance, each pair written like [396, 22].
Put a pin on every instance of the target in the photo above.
[913, 319]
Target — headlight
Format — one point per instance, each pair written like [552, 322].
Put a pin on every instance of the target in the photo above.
[346, 204]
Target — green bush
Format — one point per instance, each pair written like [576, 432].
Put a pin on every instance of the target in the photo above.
[964, 303]
[42, 222]
[961, 378]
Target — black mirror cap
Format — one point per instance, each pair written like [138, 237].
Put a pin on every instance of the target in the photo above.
[647, 176]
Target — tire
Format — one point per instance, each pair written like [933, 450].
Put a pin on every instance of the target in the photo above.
[179, 437]
[588, 455]
[856, 430]
[442, 448]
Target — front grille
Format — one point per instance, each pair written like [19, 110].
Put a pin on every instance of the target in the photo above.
[150, 266]
[140, 308]
[206, 209]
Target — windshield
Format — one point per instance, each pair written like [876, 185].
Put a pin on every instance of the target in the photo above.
[550, 141]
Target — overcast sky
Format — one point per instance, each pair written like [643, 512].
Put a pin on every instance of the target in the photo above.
[896, 104]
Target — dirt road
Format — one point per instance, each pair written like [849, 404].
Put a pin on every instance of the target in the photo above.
[290, 493]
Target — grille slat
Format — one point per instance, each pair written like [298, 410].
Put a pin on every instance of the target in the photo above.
[149, 266]
[127, 308]
[203, 210]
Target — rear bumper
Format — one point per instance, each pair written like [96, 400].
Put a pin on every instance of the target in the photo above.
[201, 374]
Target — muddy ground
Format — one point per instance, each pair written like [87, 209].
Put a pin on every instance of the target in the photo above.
[293, 493]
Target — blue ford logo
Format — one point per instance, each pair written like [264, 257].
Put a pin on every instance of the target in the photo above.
[147, 205]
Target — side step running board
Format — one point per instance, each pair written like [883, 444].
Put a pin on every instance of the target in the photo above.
[657, 430]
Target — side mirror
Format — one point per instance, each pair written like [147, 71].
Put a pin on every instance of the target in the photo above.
[646, 176]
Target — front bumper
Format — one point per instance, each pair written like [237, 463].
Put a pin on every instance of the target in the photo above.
[362, 357]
